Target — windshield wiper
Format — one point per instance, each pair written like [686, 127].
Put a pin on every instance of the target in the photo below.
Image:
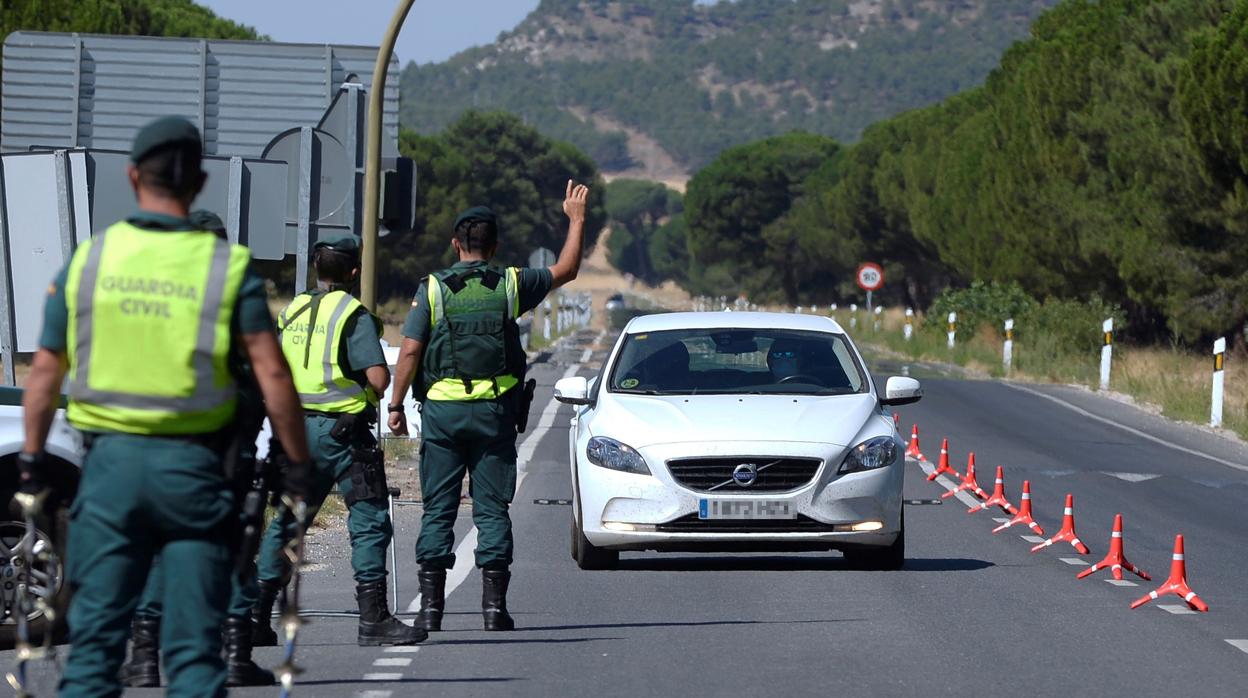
[635, 392]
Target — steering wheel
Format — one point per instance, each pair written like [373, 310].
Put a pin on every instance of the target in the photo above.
[808, 379]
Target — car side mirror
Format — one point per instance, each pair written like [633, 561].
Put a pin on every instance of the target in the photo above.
[900, 390]
[572, 391]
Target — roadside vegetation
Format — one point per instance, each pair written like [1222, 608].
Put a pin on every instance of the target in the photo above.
[1059, 341]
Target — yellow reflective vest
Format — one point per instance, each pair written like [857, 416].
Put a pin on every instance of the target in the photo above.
[312, 331]
[474, 350]
[149, 331]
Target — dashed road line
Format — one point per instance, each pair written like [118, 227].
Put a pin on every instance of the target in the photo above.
[382, 677]
[1241, 645]
[1177, 609]
[1000, 519]
[373, 694]
[1121, 583]
[402, 649]
[392, 661]
[1074, 561]
[1036, 540]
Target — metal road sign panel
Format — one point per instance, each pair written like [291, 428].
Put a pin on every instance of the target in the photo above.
[90, 91]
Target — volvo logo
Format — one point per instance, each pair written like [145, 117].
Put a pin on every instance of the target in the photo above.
[745, 474]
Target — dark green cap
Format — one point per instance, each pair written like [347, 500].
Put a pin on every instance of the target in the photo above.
[476, 213]
[161, 133]
[206, 220]
[343, 242]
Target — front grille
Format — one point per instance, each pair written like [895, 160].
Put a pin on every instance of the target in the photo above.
[716, 474]
[692, 524]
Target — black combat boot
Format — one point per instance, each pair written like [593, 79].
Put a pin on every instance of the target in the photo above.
[239, 669]
[262, 634]
[432, 598]
[143, 669]
[494, 600]
[377, 626]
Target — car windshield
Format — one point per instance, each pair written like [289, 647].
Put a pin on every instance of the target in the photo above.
[737, 361]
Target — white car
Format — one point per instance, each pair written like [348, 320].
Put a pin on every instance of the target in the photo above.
[61, 472]
[736, 432]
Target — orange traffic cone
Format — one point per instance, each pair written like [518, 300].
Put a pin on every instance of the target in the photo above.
[896, 420]
[969, 483]
[1114, 560]
[912, 450]
[942, 466]
[997, 498]
[1024, 513]
[1176, 583]
[1067, 533]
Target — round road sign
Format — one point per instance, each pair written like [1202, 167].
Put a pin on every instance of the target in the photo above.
[870, 277]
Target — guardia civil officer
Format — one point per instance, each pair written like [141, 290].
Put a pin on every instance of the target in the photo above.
[461, 334]
[333, 345]
[143, 669]
[144, 320]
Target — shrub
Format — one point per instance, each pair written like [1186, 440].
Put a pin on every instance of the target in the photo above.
[981, 304]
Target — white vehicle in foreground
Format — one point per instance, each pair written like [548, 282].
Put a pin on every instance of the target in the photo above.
[736, 432]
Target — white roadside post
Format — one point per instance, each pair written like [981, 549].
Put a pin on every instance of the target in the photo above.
[832, 308]
[799, 310]
[1007, 350]
[853, 315]
[1219, 359]
[879, 312]
[908, 330]
[953, 328]
[1107, 352]
[546, 321]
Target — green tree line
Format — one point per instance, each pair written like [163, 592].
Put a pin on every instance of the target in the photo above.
[1106, 156]
[487, 159]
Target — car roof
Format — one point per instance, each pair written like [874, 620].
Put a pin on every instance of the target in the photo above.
[727, 320]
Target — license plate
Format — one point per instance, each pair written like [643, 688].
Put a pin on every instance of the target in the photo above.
[745, 509]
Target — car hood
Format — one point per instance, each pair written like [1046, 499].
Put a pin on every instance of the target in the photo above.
[645, 420]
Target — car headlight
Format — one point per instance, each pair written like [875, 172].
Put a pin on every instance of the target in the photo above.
[871, 454]
[613, 455]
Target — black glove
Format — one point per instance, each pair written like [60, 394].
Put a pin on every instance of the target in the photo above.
[297, 480]
[30, 472]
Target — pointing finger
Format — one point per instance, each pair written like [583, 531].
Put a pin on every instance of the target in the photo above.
[569, 192]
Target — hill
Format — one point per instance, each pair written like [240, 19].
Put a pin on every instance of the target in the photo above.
[660, 87]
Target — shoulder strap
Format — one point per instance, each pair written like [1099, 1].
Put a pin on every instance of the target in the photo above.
[283, 322]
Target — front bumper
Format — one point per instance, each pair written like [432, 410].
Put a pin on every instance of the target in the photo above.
[624, 511]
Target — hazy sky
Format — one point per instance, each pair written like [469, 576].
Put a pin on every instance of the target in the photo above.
[434, 30]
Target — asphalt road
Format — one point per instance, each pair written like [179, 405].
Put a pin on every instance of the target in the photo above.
[972, 612]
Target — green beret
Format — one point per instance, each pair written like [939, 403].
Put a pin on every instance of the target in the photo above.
[476, 213]
[206, 220]
[161, 133]
[343, 242]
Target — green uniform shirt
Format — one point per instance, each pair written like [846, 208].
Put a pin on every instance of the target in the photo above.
[534, 284]
[251, 311]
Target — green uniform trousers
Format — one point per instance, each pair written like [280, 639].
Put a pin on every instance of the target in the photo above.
[151, 603]
[478, 436]
[368, 522]
[139, 498]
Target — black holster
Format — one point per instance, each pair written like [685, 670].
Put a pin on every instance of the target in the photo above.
[525, 404]
[368, 475]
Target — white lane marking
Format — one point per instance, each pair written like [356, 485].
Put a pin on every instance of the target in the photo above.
[945, 482]
[1121, 583]
[374, 694]
[1033, 539]
[402, 649]
[1074, 561]
[392, 661]
[464, 559]
[1000, 519]
[382, 677]
[1178, 609]
[1133, 477]
[1241, 645]
[1130, 430]
[585, 355]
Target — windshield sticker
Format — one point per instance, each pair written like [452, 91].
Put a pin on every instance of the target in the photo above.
[640, 337]
[629, 383]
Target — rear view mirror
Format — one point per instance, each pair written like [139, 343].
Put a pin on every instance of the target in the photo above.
[901, 391]
[572, 391]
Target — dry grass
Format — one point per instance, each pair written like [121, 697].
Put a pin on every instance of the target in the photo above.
[1175, 382]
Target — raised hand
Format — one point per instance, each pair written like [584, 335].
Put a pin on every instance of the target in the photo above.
[574, 201]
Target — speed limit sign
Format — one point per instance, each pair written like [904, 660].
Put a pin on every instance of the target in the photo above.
[870, 277]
